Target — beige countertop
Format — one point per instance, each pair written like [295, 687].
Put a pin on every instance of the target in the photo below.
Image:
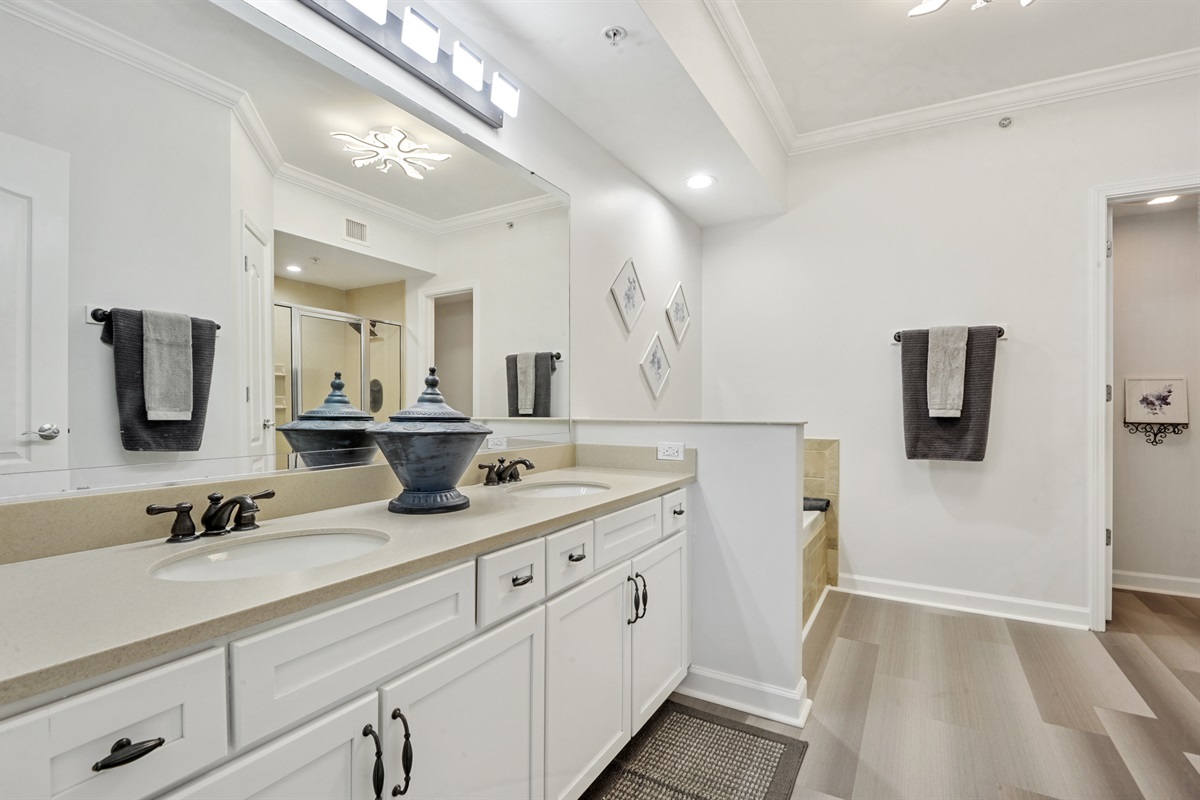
[78, 616]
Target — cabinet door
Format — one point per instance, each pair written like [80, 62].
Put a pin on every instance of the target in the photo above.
[476, 717]
[661, 649]
[587, 680]
[327, 758]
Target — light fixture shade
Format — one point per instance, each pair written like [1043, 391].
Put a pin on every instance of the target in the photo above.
[376, 10]
[468, 67]
[927, 7]
[420, 35]
[505, 95]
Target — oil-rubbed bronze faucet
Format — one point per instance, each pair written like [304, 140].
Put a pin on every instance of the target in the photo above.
[241, 507]
[508, 473]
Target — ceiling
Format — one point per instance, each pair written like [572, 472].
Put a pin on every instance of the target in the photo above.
[1139, 207]
[337, 267]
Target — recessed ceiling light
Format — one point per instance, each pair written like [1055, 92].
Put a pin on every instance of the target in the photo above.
[468, 67]
[700, 181]
[505, 94]
[375, 9]
[421, 35]
[1158, 201]
[294, 268]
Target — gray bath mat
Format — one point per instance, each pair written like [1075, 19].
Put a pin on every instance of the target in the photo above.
[686, 754]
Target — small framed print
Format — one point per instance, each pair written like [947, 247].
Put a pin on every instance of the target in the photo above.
[627, 292]
[678, 313]
[655, 366]
[1162, 400]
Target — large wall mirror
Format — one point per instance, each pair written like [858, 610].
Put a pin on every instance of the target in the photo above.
[169, 156]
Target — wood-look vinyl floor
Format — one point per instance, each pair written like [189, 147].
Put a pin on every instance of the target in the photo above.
[917, 702]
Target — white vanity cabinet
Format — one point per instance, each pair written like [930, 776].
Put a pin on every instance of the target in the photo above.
[475, 717]
[611, 660]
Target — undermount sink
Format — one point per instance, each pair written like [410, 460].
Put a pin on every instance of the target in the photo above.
[558, 489]
[274, 555]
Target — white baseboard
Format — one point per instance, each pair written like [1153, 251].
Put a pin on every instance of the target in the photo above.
[1159, 584]
[789, 706]
[816, 610]
[960, 600]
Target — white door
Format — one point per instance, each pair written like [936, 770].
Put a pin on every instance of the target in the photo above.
[660, 637]
[475, 718]
[258, 374]
[33, 313]
[587, 680]
[327, 758]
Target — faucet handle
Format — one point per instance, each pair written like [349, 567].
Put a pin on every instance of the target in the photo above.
[245, 518]
[490, 479]
[263, 495]
[183, 529]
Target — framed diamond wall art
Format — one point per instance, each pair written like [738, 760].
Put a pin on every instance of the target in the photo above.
[655, 366]
[678, 314]
[628, 295]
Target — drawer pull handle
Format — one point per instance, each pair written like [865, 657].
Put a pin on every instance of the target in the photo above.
[377, 773]
[677, 512]
[124, 751]
[637, 602]
[523, 580]
[575, 558]
[406, 756]
[645, 593]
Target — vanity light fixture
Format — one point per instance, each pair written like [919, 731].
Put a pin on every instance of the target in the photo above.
[294, 268]
[376, 10]
[929, 6]
[468, 67]
[505, 95]
[387, 149]
[700, 181]
[1158, 201]
[420, 35]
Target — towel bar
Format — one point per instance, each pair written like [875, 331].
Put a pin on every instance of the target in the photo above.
[101, 314]
[999, 334]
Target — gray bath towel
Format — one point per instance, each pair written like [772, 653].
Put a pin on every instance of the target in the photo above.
[543, 367]
[526, 383]
[946, 371]
[962, 438]
[167, 365]
[123, 330]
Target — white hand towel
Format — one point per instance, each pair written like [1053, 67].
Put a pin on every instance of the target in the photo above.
[167, 365]
[946, 371]
[526, 382]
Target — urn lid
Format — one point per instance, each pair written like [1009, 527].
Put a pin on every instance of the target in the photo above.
[430, 406]
[336, 408]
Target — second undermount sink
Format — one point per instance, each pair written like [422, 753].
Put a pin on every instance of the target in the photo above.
[273, 555]
[558, 489]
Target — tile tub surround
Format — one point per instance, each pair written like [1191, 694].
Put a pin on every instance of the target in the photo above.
[822, 476]
[816, 546]
[47, 643]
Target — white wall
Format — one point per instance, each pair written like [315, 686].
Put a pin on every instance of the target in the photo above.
[1156, 333]
[962, 224]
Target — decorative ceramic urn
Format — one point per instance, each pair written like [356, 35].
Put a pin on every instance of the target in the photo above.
[430, 446]
[334, 434]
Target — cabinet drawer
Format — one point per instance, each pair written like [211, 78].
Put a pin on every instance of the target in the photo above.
[570, 556]
[674, 511]
[623, 532]
[511, 579]
[283, 675]
[50, 752]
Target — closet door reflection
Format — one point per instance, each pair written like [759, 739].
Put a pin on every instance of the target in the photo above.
[386, 370]
[328, 344]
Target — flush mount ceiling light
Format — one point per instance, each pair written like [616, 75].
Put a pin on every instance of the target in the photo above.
[387, 149]
[929, 6]
[1158, 201]
[700, 181]
[420, 35]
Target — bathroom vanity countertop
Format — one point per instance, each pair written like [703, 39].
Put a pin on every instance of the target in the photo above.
[79, 616]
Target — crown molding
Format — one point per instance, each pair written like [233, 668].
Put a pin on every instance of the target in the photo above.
[342, 193]
[1071, 87]
[504, 213]
[737, 38]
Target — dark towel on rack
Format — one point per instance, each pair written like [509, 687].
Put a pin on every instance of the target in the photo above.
[123, 330]
[948, 438]
[543, 366]
[816, 504]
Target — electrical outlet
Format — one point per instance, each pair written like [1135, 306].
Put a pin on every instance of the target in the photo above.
[497, 442]
[670, 451]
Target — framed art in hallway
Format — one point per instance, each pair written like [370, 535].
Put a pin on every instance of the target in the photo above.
[1161, 400]
[655, 366]
[628, 295]
[678, 313]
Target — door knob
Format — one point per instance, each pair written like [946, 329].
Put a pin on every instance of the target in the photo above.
[47, 431]
[268, 423]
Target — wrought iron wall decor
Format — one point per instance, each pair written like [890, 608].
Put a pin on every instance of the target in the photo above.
[1156, 432]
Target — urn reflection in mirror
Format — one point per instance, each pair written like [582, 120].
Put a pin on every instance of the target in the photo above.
[334, 434]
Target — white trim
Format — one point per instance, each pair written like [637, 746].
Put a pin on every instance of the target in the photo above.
[1097, 466]
[789, 706]
[992, 605]
[340, 192]
[1158, 584]
[816, 610]
[504, 213]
